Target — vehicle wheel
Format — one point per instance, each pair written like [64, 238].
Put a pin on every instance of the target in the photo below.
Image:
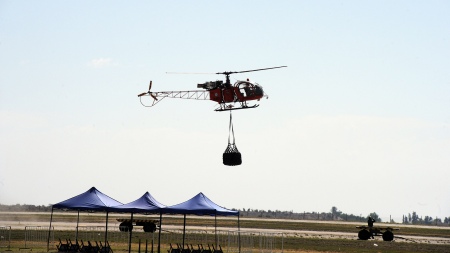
[149, 227]
[125, 226]
[363, 234]
[388, 236]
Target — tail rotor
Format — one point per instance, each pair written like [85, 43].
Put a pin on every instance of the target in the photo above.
[148, 92]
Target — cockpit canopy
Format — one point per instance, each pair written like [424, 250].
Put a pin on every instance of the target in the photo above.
[249, 89]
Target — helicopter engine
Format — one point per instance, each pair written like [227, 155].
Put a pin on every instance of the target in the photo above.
[210, 85]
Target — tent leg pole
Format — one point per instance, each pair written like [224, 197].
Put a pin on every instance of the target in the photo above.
[49, 229]
[239, 233]
[159, 234]
[131, 231]
[215, 229]
[78, 222]
[106, 228]
[184, 229]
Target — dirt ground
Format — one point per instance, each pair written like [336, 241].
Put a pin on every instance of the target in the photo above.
[349, 238]
[289, 233]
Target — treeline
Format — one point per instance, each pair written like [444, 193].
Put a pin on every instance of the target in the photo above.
[25, 208]
[415, 219]
[334, 214]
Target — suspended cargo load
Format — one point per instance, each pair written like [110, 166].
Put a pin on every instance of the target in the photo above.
[231, 155]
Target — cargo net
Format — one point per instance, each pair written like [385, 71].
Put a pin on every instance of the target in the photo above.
[231, 155]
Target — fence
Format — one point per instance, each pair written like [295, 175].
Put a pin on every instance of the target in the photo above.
[37, 237]
[228, 241]
[91, 233]
[97, 233]
[252, 242]
[5, 237]
[117, 239]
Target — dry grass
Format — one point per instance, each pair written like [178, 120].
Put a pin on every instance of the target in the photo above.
[293, 244]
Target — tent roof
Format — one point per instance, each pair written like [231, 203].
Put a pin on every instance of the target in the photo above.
[92, 199]
[200, 205]
[144, 204]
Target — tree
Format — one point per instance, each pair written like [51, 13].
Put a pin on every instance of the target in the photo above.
[374, 215]
[405, 219]
[414, 218]
[335, 213]
[437, 221]
[428, 220]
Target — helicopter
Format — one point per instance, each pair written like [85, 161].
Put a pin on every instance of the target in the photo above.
[224, 93]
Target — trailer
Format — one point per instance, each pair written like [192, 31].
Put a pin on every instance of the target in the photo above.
[366, 232]
[128, 224]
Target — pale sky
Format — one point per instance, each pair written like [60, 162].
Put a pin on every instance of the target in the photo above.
[359, 120]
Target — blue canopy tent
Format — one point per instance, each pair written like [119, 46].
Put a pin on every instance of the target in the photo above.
[94, 200]
[91, 200]
[145, 204]
[200, 205]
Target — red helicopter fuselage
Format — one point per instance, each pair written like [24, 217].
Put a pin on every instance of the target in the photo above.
[241, 91]
[223, 93]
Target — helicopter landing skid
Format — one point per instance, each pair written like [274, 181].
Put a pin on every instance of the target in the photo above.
[222, 108]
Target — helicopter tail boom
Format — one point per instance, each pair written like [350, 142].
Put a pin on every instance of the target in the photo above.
[160, 95]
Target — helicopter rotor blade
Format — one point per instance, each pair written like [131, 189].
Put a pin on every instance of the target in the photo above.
[245, 71]
[188, 73]
[150, 86]
[221, 73]
[261, 69]
[143, 93]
